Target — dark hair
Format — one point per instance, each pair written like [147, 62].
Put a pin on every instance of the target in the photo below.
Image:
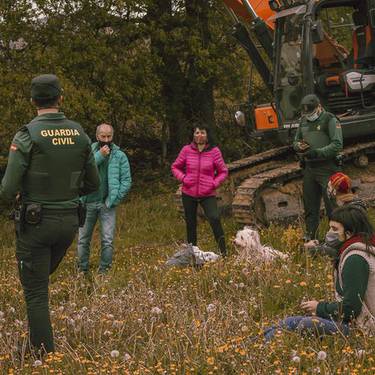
[354, 220]
[210, 138]
[46, 103]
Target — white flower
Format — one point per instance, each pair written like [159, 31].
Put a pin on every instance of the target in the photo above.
[115, 353]
[37, 363]
[360, 353]
[107, 333]
[241, 285]
[322, 356]
[296, 359]
[127, 357]
[12, 309]
[211, 307]
[156, 310]
[117, 324]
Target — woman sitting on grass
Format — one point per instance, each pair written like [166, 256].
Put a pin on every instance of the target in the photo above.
[354, 281]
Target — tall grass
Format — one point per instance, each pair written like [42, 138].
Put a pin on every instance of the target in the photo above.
[145, 319]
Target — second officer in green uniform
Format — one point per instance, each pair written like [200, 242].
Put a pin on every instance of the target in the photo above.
[318, 140]
[50, 165]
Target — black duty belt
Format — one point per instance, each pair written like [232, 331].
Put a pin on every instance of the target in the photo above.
[60, 210]
[319, 163]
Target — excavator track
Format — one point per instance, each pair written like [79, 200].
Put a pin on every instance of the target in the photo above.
[266, 196]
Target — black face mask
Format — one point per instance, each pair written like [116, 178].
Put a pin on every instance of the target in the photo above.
[102, 144]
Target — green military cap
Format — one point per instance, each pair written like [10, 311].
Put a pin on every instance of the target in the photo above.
[45, 86]
[309, 103]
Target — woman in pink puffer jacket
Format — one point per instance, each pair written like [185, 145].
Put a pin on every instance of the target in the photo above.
[201, 170]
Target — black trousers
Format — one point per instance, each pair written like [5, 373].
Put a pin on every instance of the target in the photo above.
[40, 249]
[209, 205]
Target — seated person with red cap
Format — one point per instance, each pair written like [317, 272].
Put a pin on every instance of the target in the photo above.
[339, 190]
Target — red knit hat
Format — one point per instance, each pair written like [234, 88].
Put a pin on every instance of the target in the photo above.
[341, 182]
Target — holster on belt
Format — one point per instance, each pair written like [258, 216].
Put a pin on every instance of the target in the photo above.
[18, 216]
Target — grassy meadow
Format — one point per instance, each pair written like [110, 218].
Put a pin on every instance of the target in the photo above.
[145, 319]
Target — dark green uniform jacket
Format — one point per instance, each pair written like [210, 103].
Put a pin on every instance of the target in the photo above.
[323, 135]
[355, 275]
[50, 162]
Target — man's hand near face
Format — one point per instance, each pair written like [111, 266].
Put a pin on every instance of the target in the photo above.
[105, 150]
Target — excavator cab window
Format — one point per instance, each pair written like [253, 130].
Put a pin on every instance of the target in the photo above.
[289, 79]
[344, 61]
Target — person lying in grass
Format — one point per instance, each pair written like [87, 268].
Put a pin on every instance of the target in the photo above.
[354, 272]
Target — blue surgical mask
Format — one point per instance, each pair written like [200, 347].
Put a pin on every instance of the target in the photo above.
[332, 239]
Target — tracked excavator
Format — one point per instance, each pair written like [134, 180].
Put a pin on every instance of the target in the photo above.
[326, 47]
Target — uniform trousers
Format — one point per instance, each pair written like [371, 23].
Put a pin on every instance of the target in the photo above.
[315, 181]
[209, 205]
[39, 250]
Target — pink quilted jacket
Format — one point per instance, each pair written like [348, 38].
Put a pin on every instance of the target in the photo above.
[200, 172]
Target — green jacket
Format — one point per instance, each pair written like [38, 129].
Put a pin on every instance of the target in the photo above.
[355, 275]
[50, 162]
[323, 135]
[115, 177]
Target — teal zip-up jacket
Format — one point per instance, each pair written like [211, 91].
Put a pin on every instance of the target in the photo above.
[118, 177]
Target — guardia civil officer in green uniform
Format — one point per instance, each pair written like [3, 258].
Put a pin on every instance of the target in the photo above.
[50, 165]
[318, 141]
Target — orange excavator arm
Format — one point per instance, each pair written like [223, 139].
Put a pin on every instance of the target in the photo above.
[261, 8]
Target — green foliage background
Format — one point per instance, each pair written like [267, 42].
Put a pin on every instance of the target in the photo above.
[151, 68]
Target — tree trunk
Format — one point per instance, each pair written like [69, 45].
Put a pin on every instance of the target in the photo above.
[201, 86]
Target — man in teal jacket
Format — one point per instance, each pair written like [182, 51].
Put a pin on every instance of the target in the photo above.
[115, 182]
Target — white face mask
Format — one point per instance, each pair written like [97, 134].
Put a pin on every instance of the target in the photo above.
[314, 116]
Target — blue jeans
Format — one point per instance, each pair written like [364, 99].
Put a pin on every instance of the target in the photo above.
[307, 325]
[107, 220]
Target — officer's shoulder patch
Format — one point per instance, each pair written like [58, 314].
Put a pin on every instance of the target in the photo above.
[13, 147]
[23, 129]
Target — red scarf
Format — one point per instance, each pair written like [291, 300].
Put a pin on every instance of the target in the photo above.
[355, 239]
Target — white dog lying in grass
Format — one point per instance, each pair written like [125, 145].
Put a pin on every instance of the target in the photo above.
[250, 248]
